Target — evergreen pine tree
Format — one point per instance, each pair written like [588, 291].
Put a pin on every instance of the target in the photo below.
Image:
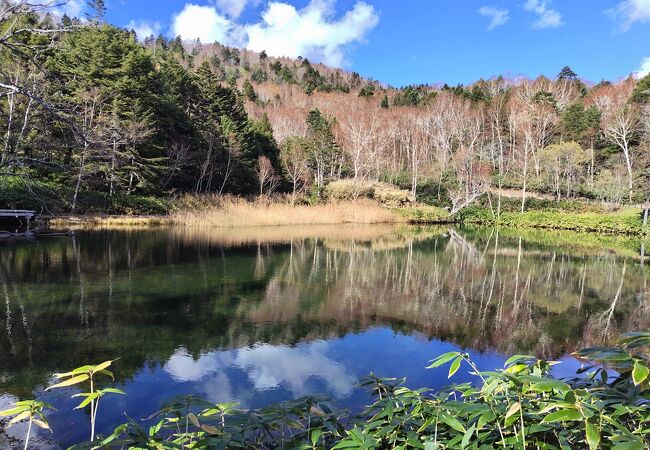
[641, 92]
[567, 74]
[248, 91]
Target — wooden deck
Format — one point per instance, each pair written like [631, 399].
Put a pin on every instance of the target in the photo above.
[17, 213]
[23, 214]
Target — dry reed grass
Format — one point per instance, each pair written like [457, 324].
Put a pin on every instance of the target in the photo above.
[335, 235]
[108, 221]
[235, 212]
[228, 211]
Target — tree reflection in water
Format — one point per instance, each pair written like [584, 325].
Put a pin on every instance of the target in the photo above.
[183, 298]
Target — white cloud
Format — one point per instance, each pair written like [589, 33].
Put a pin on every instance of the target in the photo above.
[234, 8]
[144, 29]
[311, 31]
[628, 12]
[497, 16]
[72, 8]
[546, 17]
[201, 22]
[266, 367]
[269, 367]
[182, 367]
[644, 68]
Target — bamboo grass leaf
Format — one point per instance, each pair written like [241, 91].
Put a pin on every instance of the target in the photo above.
[452, 422]
[89, 398]
[210, 429]
[514, 409]
[22, 416]
[102, 366]
[563, 415]
[593, 435]
[453, 368]
[12, 411]
[640, 372]
[442, 359]
[70, 382]
[630, 445]
[194, 420]
[42, 424]
[77, 371]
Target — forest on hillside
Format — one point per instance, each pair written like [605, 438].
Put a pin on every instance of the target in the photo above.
[95, 118]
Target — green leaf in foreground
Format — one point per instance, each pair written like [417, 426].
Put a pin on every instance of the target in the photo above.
[70, 382]
[563, 415]
[514, 409]
[593, 435]
[454, 366]
[639, 372]
[452, 422]
[442, 359]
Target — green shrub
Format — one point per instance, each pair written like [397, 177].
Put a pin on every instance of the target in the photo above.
[49, 198]
[38, 196]
[349, 190]
[436, 192]
[382, 192]
[389, 195]
[510, 204]
[134, 204]
[423, 214]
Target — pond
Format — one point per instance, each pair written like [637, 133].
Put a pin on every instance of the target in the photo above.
[262, 315]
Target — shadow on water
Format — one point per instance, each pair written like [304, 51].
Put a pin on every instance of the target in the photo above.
[260, 315]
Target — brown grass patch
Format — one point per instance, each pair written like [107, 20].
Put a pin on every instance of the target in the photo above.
[108, 221]
[227, 211]
[213, 211]
[340, 236]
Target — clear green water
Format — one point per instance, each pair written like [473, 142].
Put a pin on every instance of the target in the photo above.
[260, 315]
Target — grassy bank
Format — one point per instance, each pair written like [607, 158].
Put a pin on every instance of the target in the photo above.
[232, 212]
[626, 221]
[424, 214]
[229, 211]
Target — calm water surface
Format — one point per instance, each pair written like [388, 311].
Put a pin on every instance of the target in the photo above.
[263, 315]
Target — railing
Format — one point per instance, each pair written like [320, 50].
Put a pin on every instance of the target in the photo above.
[17, 213]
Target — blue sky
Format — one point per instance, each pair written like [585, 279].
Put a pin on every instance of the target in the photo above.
[417, 41]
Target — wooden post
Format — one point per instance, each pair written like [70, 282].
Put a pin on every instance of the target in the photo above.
[645, 216]
[642, 253]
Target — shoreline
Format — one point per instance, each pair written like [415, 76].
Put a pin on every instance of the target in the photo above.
[626, 222]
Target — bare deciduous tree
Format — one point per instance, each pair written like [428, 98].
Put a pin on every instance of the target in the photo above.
[412, 130]
[365, 138]
[294, 158]
[473, 179]
[266, 176]
[621, 121]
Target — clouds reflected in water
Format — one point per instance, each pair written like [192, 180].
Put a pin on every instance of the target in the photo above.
[266, 367]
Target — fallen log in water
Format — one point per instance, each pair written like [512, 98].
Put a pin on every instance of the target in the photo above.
[34, 233]
[55, 234]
